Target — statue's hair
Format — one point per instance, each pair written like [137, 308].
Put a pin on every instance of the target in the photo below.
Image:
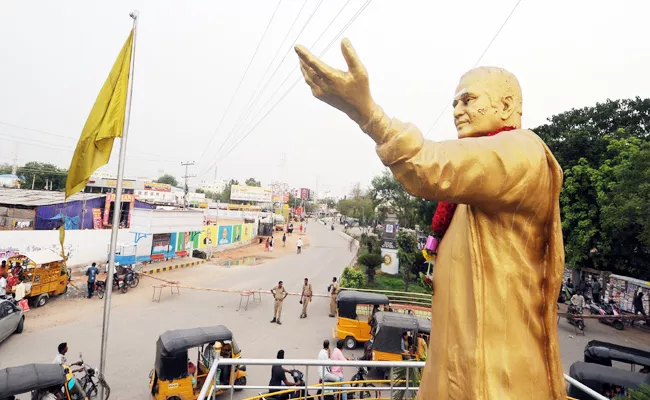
[511, 86]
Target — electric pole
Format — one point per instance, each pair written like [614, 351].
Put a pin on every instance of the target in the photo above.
[186, 164]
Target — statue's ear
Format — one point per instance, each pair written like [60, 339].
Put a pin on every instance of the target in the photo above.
[507, 107]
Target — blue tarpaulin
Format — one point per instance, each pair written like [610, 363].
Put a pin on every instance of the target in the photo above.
[70, 222]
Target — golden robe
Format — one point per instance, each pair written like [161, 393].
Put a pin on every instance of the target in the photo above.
[499, 267]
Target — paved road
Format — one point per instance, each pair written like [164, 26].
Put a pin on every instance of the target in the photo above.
[136, 322]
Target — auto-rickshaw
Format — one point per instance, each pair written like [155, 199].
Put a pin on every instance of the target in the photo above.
[44, 274]
[387, 331]
[603, 379]
[176, 377]
[604, 353]
[39, 379]
[355, 311]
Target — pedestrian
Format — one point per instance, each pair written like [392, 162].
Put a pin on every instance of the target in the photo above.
[299, 245]
[325, 373]
[266, 245]
[284, 239]
[279, 294]
[3, 285]
[91, 273]
[305, 297]
[271, 244]
[300, 228]
[337, 370]
[595, 290]
[305, 229]
[334, 291]
[637, 303]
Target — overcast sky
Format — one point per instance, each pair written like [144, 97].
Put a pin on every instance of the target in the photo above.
[191, 55]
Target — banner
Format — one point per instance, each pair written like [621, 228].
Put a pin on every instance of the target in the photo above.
[236, 235]
[276, 197]
[113, 183]
[246, 232]
[225, 234]
[158, 187]
[251, 193]
[97, 218]
[110, 198]
[304, 194]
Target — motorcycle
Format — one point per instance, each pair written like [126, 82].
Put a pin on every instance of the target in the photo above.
[573, 317]
[360, 378]
[609, 308]
[90, 381]
[297, 377]
[131, 277]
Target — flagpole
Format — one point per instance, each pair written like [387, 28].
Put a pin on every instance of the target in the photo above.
[117, 212]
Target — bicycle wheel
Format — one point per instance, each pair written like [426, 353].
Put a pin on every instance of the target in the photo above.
[369, 394]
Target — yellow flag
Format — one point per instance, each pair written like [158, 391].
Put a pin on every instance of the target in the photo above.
[104, 124]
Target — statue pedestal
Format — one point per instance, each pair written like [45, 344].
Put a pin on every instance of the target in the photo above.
[391, 263]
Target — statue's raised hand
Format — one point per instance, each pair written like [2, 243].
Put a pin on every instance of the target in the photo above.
[349, 91]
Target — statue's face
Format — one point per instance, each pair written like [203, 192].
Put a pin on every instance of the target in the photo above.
[475, 113]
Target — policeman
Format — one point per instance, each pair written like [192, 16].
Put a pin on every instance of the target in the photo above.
[334, 290]
[279, 293]
[305, 297]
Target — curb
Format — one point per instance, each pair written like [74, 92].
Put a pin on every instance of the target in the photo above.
[349, 238]
[171, 267]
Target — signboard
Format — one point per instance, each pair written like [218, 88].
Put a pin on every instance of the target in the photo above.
[113, 183]
[110, 198]
[276, 197]
[251, 193]
[97, 218]
[158, 187]
[304, 194]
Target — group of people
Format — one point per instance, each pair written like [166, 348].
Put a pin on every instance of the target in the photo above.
[12, 280]
[578, 300]
[280, 293]
[333, 373]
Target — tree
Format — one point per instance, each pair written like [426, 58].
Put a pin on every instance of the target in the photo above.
[252, 182]
[225, 194]
[371, 261]
[168, 179]
[5, 168]
[407, 249]
[40, 174]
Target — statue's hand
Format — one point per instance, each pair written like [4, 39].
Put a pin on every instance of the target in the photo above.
[348, 91]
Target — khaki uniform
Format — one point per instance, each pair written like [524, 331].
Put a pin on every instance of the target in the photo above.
[306, 297]
[334, 292]
[279, 297]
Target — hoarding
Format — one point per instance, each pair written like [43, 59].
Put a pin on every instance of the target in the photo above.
[113, 183]
[304, 194]
[251, 193]
[158, 187]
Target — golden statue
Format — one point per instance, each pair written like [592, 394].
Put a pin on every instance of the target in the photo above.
[500, 264]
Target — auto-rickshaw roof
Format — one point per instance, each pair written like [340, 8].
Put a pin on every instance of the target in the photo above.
[25, 378]
[596, 351]
[352, 296]
[595, 375]
[181, 340]
[40, 257]
[424, 326]
[397, 320]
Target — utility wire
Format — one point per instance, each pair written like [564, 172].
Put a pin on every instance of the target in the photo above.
[233, 131]
[241, 80]
[298, 80]
[477, 61]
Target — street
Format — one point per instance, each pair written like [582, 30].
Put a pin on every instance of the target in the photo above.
[136, 321]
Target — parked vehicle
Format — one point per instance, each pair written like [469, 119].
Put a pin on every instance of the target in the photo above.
[131, 277]
[359, 378]
[44, 275]
[609, 308]
[574, 317]
[12, 319]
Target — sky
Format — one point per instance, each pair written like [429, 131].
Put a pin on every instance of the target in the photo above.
[188, 103]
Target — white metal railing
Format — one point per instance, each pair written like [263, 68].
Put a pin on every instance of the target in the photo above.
[210, 387]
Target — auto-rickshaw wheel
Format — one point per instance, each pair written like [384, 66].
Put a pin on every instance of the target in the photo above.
[350, 343]
[240, 382]
[41, 300]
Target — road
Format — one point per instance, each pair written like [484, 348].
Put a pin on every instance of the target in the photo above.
[136, 322]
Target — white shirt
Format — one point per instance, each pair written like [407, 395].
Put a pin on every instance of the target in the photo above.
[19, 291]
[323, 356]
[48, 396]
[59, 359]
[299, 243]
[3, 286]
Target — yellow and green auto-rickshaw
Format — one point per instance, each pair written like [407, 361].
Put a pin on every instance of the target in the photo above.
[176, 376]
[39, 379]
[388, 329]
[355, 311]
[44, 274]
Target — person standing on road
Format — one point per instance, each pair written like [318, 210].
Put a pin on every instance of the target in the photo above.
[3, 285]
[279, 293]
[284, 239]
[91, 273]
[271, 244]
[305, 297]
[324, 373]
[334, 291]
[595, 290]
[299, 246]
[637, 303]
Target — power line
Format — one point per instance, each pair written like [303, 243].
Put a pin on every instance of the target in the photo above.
[241, 80]
[235, 128]
[478, 61]
[298, 80]
[296, 67]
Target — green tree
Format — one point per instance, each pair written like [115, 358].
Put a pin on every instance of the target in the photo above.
[40, 174]
[5, 168]
[407, 249]
[225, 194]
[252, 182]
[371, 261]
[168, 179]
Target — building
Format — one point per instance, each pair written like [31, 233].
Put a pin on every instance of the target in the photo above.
[47, 210]
[9, 181]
